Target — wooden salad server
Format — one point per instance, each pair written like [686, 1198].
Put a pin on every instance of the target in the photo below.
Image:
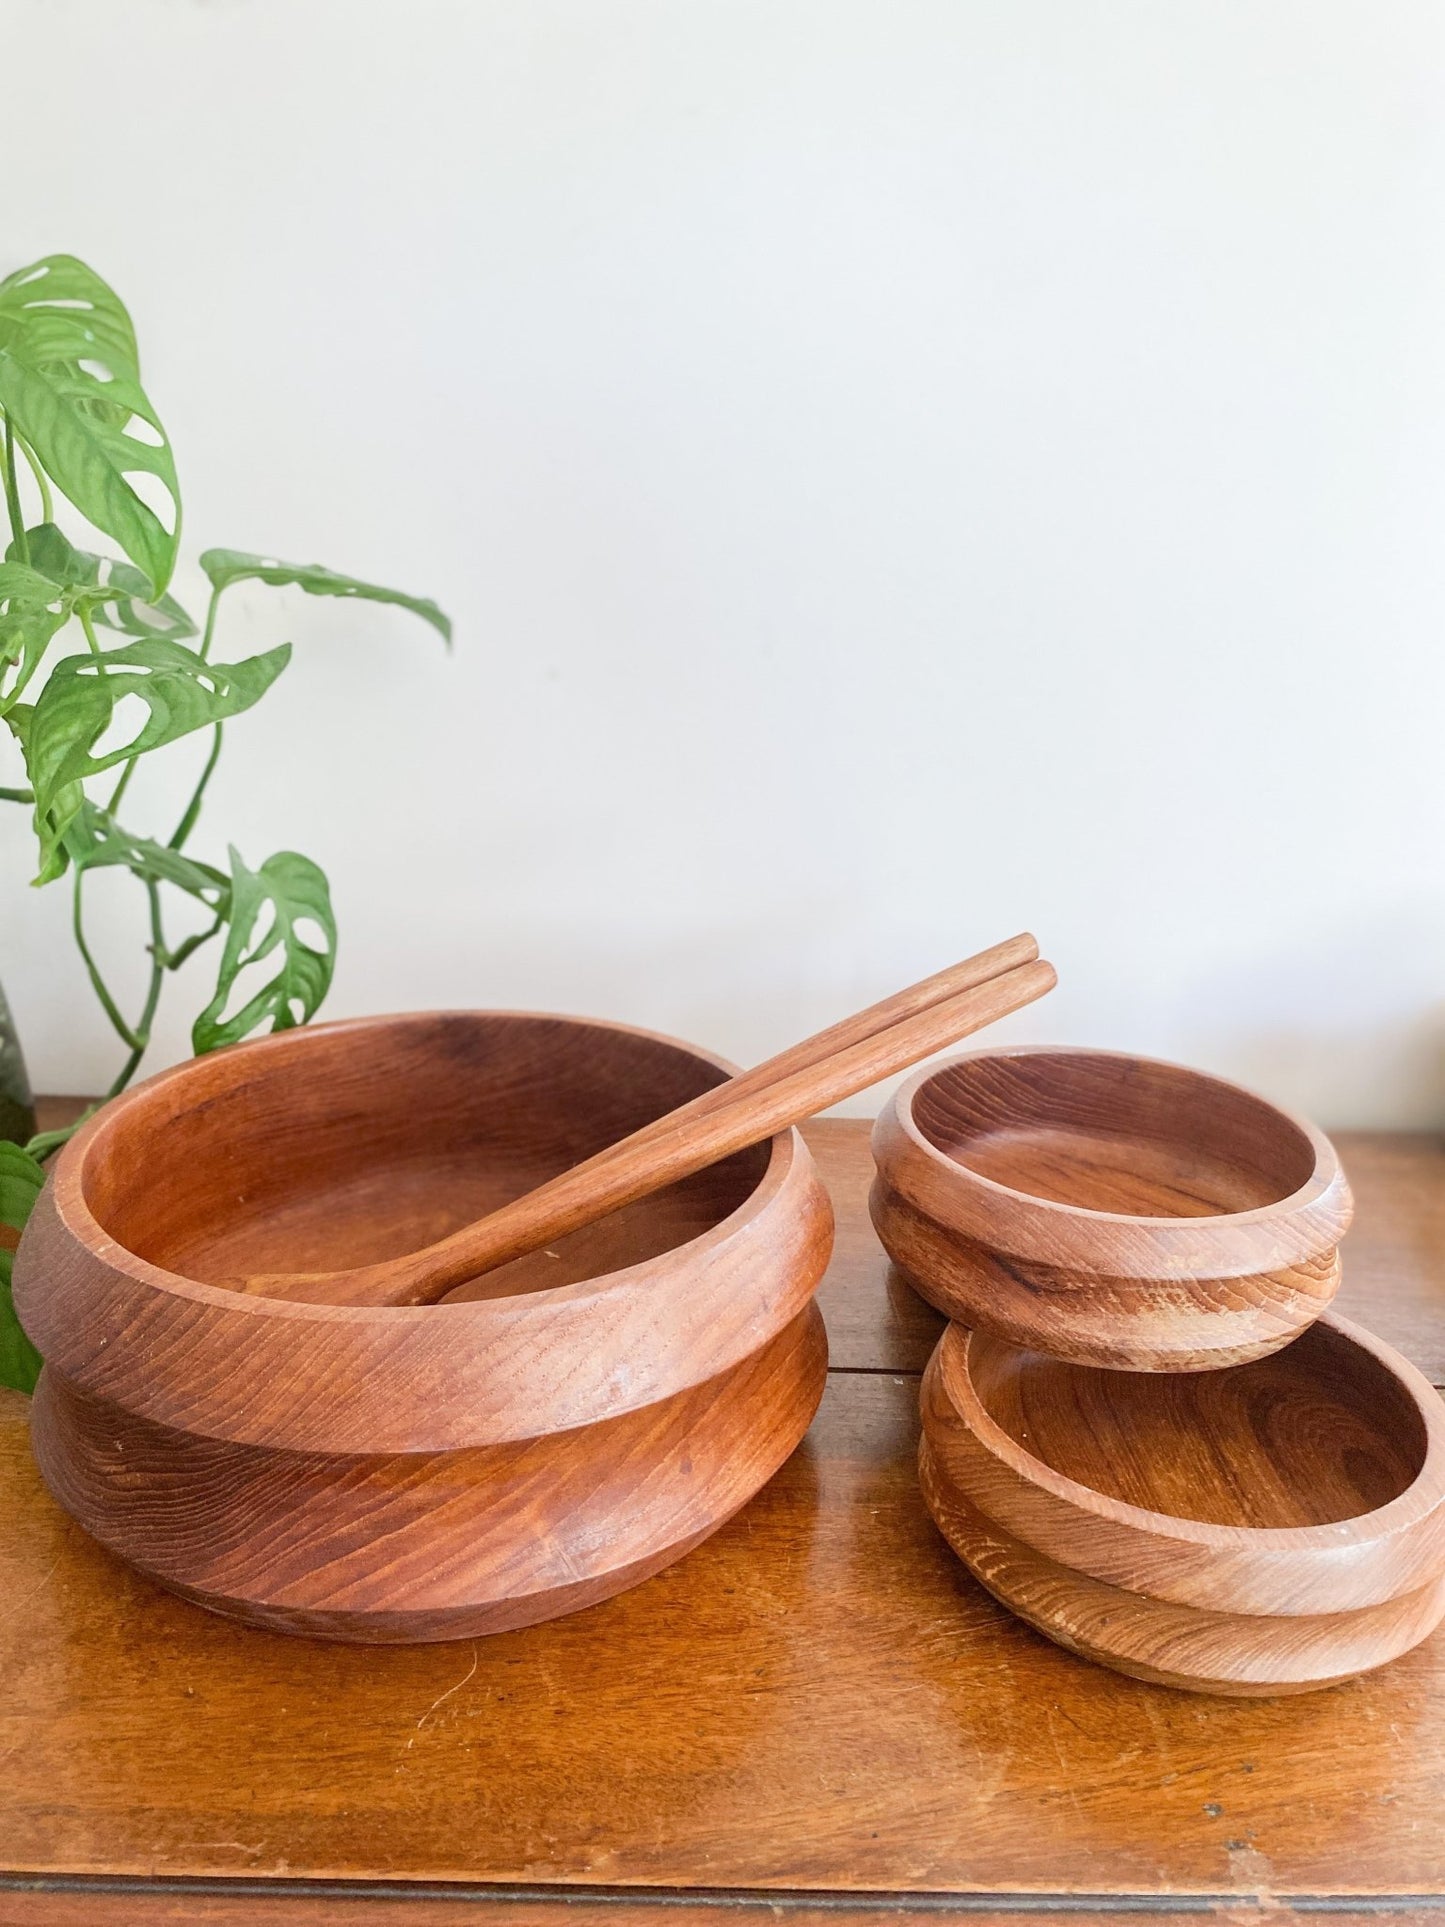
[823, 1070]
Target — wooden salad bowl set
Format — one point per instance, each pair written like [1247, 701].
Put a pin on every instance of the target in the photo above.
[423, 1327]
[1146, 1433]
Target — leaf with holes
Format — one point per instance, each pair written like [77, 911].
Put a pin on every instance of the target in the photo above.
[95, 841]
[114, 593]
[225, 566]
[72, 314]
[180, 691]
[32, 610]
[294, 890]
[20, 1181]
[70, 384]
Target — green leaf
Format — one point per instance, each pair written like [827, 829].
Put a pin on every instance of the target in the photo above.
[20, 1181]
[19, 1361]
[32, 609]
[70, 383]
[69, 310]
[292, 888]
[95, 841]
[113, 592]
[225, 566]
[17, 1108]
[180, 691]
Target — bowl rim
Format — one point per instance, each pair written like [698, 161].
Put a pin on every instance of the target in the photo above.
[1408, 1510]
[1295, 1229]
[217, 1363]
[69, 1176]
[1326, 1159]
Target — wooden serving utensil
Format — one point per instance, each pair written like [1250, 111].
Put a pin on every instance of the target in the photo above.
[824, 1069]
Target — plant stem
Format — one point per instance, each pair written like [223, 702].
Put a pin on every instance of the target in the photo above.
[42, 482]
[46, 1143]
[12, 496]
[112, 1010]
[157, 947]
[175, 958]
[210, 628]
[16, 796]
[120, 789]
[193, 808]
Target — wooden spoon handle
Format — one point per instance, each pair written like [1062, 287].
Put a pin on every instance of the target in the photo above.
[692, 1139]
[330, 1286]
[981, 969]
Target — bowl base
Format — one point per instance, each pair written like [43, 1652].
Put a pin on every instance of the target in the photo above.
[1234, 1655]
[426, 1546]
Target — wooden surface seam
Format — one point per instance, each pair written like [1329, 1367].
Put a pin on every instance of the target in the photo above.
[543, 1906]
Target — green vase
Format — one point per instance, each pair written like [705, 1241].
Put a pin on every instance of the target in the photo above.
[17, 1110]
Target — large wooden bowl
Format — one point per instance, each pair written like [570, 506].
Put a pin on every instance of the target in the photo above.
[1268, 1528]
[426, 1472]
[1110, 1210]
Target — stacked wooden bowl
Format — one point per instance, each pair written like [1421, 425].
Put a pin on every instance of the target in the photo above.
[1145, 1432]
[388, 1473]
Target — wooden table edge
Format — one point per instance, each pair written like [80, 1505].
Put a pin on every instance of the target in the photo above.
[113, 1899]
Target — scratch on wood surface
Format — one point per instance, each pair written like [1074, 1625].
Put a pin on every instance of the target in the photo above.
[441, 1697]
[1067, 1787]
[1159, 1727]
[39, 1586]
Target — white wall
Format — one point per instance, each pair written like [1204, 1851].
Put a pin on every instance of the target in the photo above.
[902, 470]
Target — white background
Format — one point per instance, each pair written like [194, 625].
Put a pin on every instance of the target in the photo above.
[902, 470]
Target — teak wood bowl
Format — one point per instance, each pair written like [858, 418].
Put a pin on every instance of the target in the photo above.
[1268, 1528]
[1110, 1210]
[428, 1472]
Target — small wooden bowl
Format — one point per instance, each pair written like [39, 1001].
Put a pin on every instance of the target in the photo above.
[1270, 1528]
[1110, 1210]
[429, 1472]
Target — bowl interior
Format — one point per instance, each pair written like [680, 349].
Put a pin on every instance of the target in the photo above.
[1316, 1433]
[347, 1144]
[1115, 1134]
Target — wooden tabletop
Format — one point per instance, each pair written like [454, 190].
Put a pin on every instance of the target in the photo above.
[816, 1711]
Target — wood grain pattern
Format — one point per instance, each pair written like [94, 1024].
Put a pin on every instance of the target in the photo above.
[715, 1124]
[425, 1473]
[819, 1697]
[442, 1545]
[1272, 1527]
[1393, 1252]
[1110, 1210]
